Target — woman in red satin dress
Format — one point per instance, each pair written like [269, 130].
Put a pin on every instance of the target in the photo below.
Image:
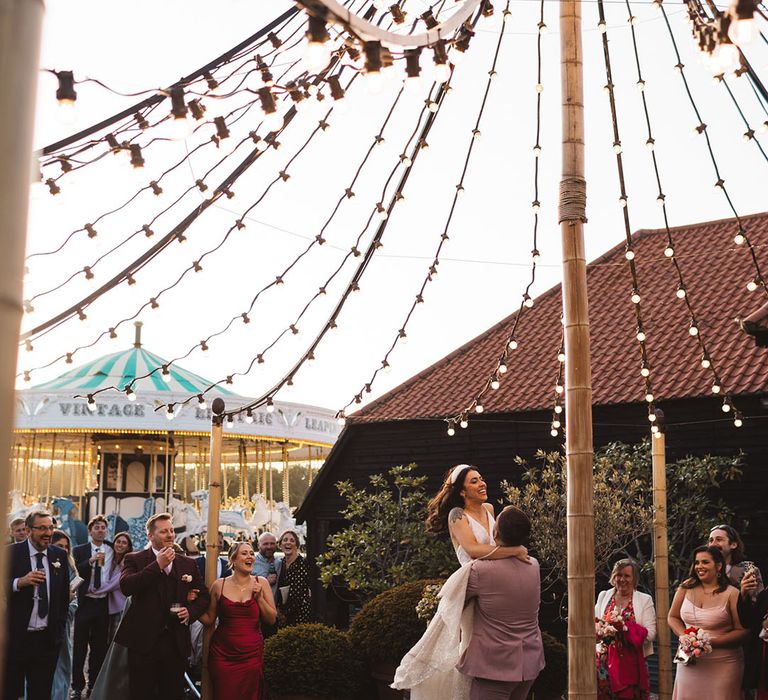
[236, 654]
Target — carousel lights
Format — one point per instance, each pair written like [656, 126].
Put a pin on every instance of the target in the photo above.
[137, 159]
[249, 416]
[169, 411]
[90, 230]
[341, 419]
[743, 27]
[130, 394]
[440, 57]
[412, 69]
[270, 405]
[202, 404]
[90, 403]
[165, 374]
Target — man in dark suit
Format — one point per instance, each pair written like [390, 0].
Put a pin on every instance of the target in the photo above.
[38, 602]
[94, 564]
[157, 638]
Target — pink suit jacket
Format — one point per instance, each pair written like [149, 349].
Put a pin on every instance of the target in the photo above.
[506, 640]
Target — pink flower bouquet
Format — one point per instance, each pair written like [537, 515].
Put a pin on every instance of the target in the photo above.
[694, 642]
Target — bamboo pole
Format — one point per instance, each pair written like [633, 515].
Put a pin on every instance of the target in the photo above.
[20, 29]
[578, 401]
[211, 539]
[661, 558]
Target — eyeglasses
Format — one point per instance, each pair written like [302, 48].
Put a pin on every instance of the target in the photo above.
[44, 528]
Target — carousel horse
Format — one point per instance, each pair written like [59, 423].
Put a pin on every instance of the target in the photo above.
[19, 509]
[115, 524]
[261, 515]
[76, 529]
[288, 522]
[186, 520]
[232, 518]
[137, 527]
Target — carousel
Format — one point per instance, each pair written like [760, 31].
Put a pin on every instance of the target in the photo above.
[125, 459]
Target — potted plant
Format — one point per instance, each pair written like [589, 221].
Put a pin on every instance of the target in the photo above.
[311, 661]
[386, 628]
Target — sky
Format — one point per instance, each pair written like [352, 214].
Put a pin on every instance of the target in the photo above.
[485, 265]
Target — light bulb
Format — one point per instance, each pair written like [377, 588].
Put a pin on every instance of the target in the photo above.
[495, 384]
[91, 403]
[67, 112]
[715, 388]
[739, 239]
[373, 81]
[705, 362]
[649, 398]
[553, 432]
[680, 293]
[273, 121]
[558, 408]
[166, 375]
[451, 431]
[413, 84]
[725, 58]
[180, 128]
[559, 388]
[249, 416]
[737, 421]
[513, 344]
[442, 72]
[726, 407]
[669, 251]
[340, 419]
[751, 286]
[169, 414]
[479, 408]
[742, 31]
[464, 423]
[693, 330]
[317, 55]
[502, 368]
[201, 402]
[130, 394]
[640, 337]
[635, 298]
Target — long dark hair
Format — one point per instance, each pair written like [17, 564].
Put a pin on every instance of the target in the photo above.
[448, 497]
[717, 556]
[115, 560]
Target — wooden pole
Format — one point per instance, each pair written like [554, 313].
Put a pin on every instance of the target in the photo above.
[582, 682]
[211, 538]
[661, 559]
[20, 28]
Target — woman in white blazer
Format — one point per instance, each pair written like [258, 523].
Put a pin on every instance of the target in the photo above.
[637, 607]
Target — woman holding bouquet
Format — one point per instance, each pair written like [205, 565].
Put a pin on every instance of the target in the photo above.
[706, 603]
[625, 624]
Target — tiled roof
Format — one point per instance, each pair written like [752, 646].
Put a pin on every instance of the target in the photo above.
[716, 272]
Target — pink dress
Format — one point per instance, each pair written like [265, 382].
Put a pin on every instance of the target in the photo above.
[715, 675]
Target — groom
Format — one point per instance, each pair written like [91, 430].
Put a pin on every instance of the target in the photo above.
[157, 639]
[505, 653]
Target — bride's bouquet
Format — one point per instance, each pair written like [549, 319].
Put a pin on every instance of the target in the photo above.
[694, 642]
[608, 629]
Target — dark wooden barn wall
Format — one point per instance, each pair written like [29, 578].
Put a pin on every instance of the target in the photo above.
[696, 426]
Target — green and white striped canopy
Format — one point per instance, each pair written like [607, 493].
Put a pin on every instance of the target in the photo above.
[119, 368]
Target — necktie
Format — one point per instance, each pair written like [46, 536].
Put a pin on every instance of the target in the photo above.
[96, 576]
[42, 590]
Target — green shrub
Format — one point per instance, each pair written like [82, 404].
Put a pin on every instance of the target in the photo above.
[314, 660]
[551, 683]
[387, 626]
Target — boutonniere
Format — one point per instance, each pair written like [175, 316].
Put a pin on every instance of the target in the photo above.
[186, 578]
[56, 564]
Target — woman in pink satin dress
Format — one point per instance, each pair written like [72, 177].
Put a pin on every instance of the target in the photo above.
[705, 600]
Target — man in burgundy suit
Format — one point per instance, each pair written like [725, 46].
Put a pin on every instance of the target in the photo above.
[505, 653]
[157, 639]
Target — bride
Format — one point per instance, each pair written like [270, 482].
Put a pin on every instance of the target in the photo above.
[461, 508]
[429, 668]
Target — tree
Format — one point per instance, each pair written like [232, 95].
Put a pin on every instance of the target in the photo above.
[385, 543]
[623, 506]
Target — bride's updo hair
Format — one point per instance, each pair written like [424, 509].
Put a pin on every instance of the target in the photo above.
[448, 497]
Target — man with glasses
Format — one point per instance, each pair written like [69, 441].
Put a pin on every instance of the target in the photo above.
[37, 610]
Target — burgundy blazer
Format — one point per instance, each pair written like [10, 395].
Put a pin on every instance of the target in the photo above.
[152, 593]
[506, 640]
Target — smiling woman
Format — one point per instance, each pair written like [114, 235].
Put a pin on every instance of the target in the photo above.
[461, 508]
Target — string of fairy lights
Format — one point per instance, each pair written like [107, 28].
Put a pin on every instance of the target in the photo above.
[335, 42]
[430, 106]
[493, 382]
[635, 297]
[742, 234]
[431, 110]
[682, 291]
[318, 240]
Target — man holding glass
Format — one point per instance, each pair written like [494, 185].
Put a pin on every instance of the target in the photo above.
[94, 563]
[167, 593]
[37, 610]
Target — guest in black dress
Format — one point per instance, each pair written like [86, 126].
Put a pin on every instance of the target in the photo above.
[293, 596]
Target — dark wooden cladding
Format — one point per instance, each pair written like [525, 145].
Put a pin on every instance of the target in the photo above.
[695, 426]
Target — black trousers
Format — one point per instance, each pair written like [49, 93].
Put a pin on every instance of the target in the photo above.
[91, 628]
[32, 659]
[157, 672]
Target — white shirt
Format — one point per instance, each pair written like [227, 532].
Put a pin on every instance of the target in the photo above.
[168, 568]
[37, 623]
[108, 555]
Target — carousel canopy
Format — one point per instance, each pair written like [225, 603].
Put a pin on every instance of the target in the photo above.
[52, 406]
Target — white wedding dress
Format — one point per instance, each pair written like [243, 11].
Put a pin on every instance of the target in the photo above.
[429, 668]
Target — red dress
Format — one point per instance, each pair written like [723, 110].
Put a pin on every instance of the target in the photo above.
[237, 651]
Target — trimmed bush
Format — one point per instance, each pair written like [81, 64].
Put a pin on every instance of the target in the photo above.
[387, 626]
[552, 681]
[313, 660]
